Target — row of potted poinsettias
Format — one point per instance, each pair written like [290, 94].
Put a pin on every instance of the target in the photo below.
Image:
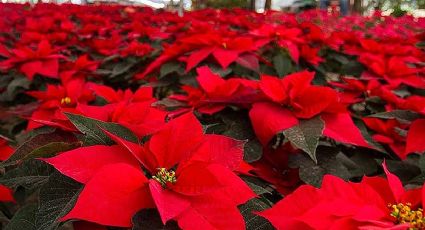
[118, 116]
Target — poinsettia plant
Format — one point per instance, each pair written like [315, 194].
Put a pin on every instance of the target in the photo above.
[125, 117]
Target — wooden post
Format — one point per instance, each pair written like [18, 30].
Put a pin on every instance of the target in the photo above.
[268, 5]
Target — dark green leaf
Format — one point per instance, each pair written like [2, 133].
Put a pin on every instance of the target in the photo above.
[283, 64]
[353, 68]
[404, 170]
[17, 85]
[30, 175]
[150, 219]
[306, 135]
[238, 126]
[327, 163]
[253, 221]
[257, 188]
[35, 147]
[57, 197]
[24, 219]
[253, 151]
[401, 115]
[168, 68]
[94, 134]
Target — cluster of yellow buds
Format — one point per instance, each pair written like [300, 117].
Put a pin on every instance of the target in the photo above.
[404, 214]
[66, 101]
[164, 176]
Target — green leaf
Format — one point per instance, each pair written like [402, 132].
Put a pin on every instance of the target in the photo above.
[327, 163]
[252, 221]
[257, 189]
[92, 129]
[238, 125]
[352, 68]
[283, 64]
[45, 144]
[57, 198]
[306, 135]
[17, 85]
[150, 219]
[253, 151]
[168, 68]
[30, 175]
[123, 67]
[401, 115]
[24, 219]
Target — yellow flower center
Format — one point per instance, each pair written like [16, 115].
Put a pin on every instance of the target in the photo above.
[164, 176]
[224, 45]
[66, 101]
[403, 214]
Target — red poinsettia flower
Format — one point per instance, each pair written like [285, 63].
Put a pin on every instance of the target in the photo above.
[288, 38]
[136, 48]
[43, 60]
[394, 70]
[55, 100]
[388, 132]
[107, 46]
[132, 110]
[215, 93]
[80, 68]
[353, 90]
[374, 203]
[293, 98]
[225, 49]
[310, 54]
[403, 139]
[187, 176]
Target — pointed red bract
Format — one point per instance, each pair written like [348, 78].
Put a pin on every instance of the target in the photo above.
[415, 137]
[268, 119]
[83, 163]
[169, 204]
[342, 205]
[349, 134]
[114, 194]
[6, 194]
[181, 135]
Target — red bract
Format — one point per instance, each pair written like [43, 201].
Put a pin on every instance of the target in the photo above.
[5, 150]
[215, 93]
[6, 194]
[388, 132]
[80, 68]
[273, 168]
[188, 178]
[394, 70]
[288, 38]
[374, 203]
[136, 49]
[132, 110]
[403, 139]
[43, 60]
[293, 98]
[225, 49]
[55, 100]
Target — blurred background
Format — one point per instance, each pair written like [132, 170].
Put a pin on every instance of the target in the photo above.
[415, 7]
